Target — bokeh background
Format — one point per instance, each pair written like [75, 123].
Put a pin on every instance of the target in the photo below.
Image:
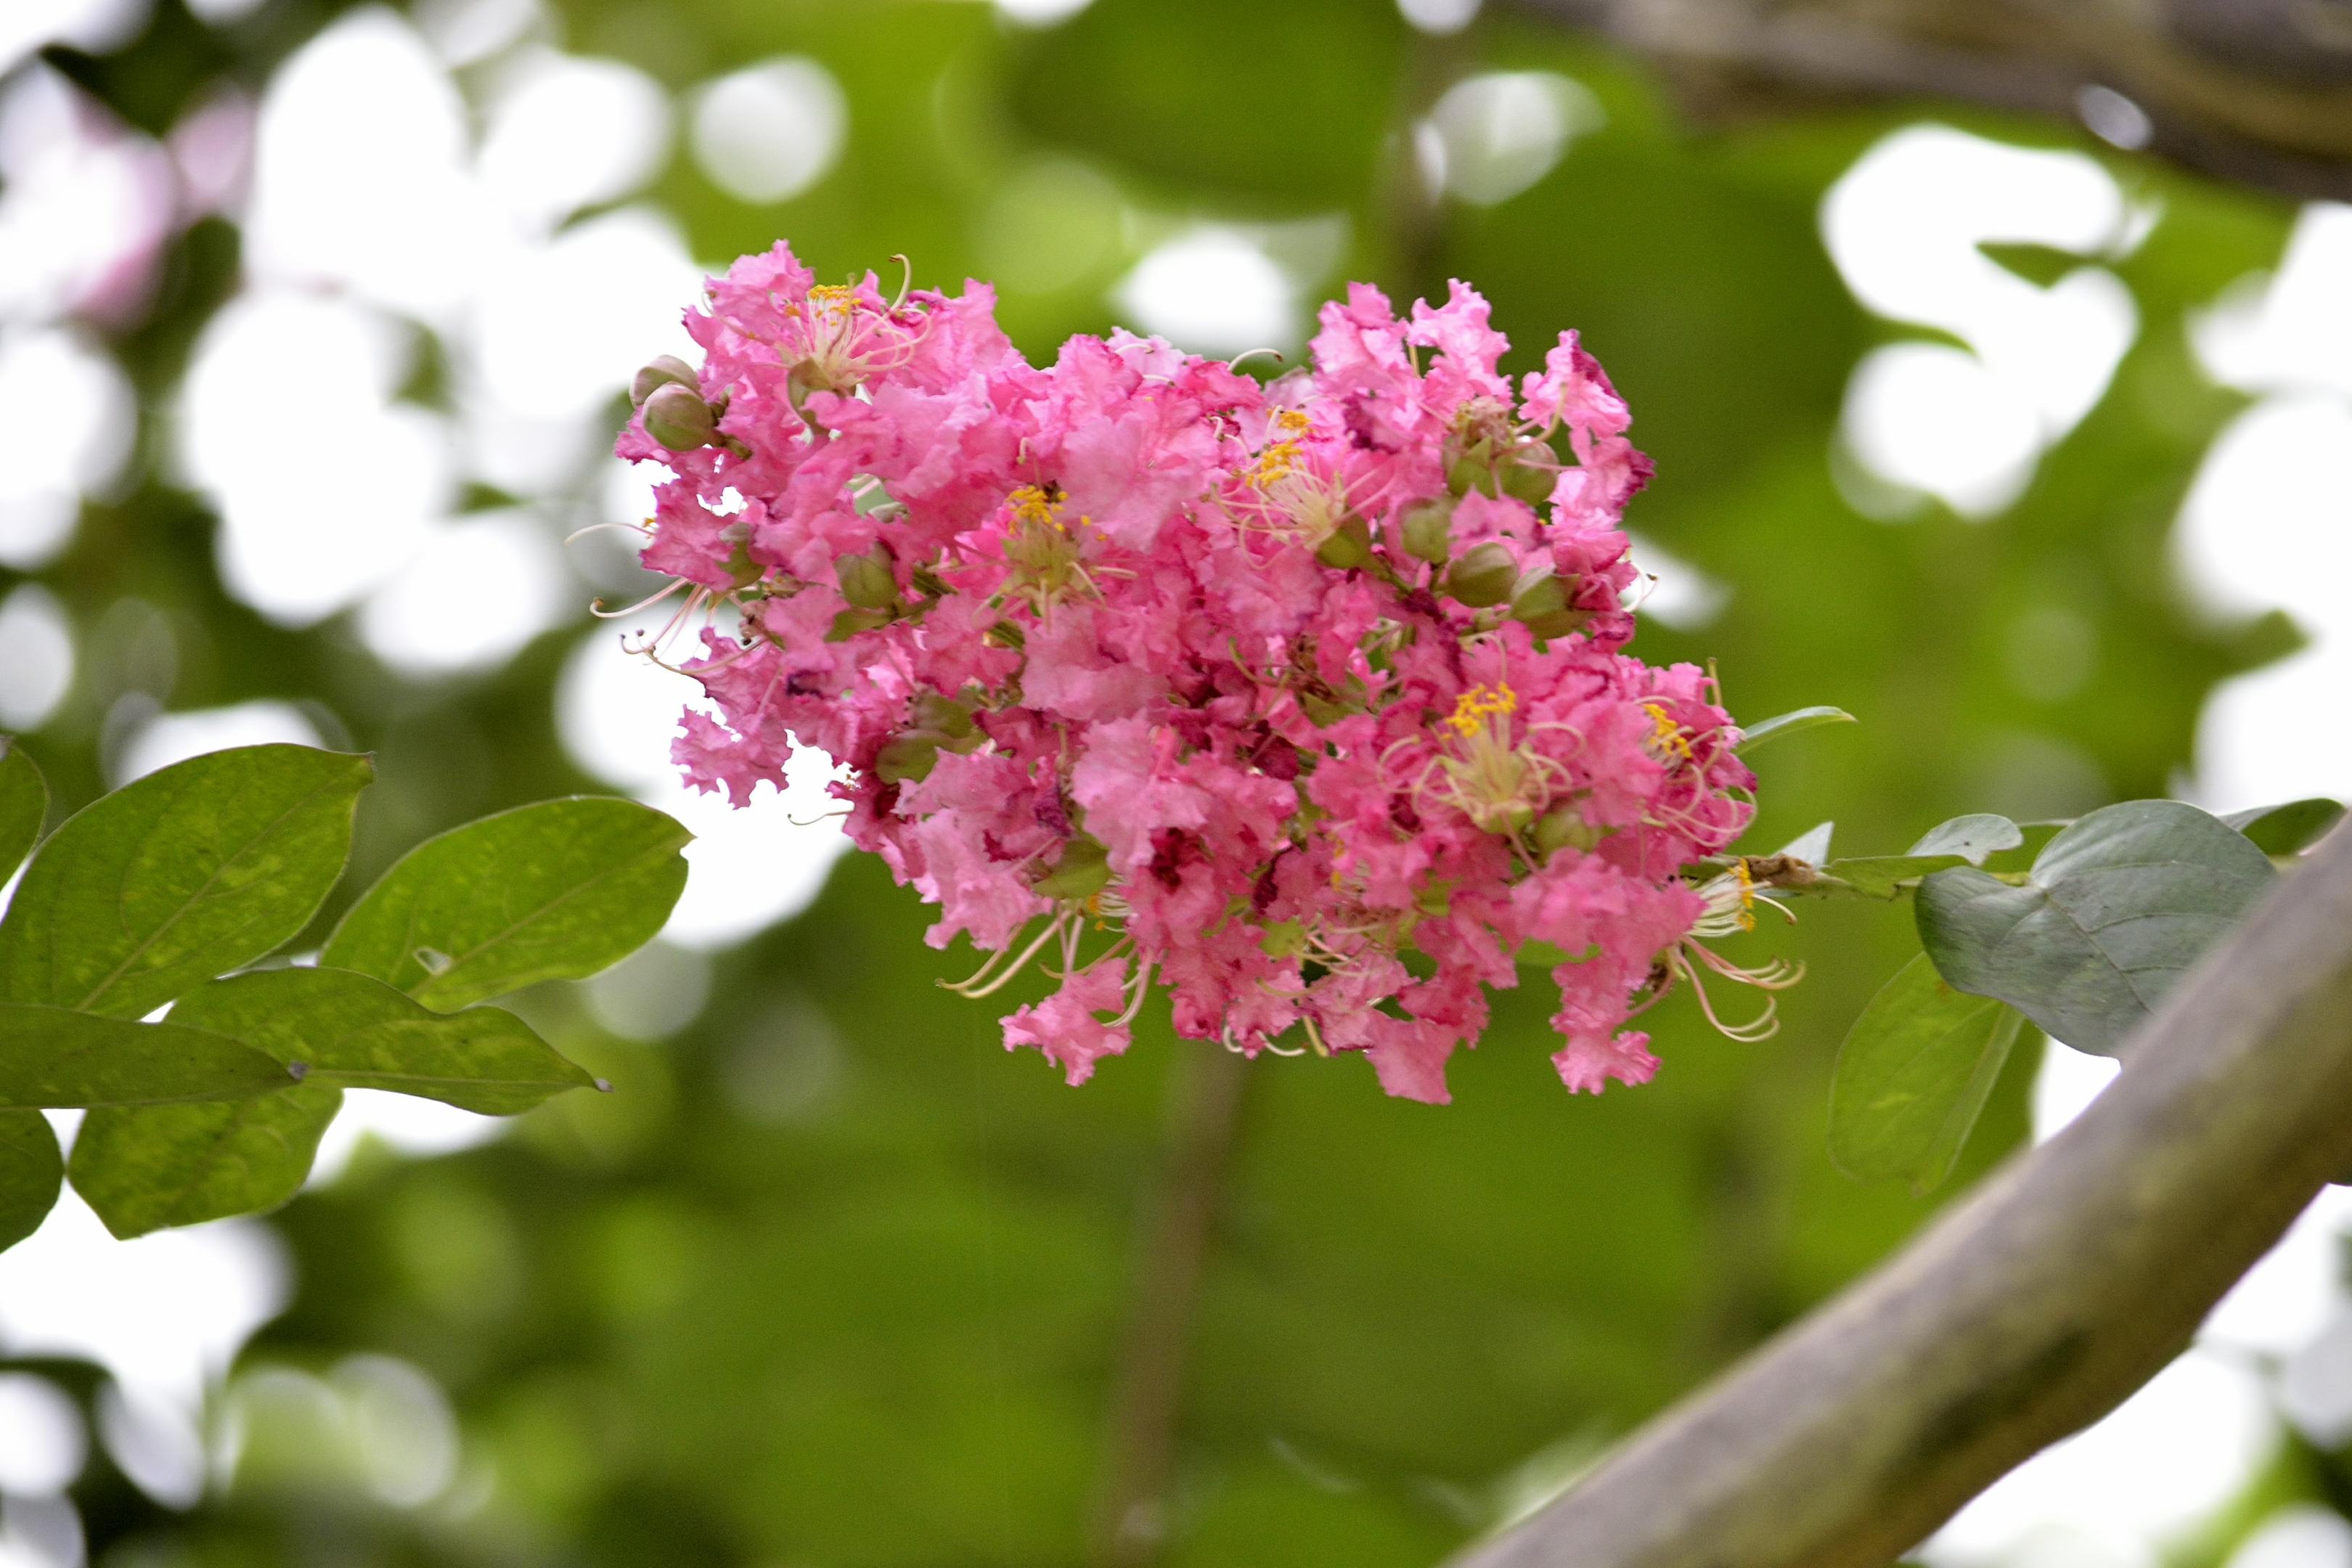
[2033, 453]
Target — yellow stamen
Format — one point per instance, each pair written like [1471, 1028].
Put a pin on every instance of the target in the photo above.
[1471, 709]
[1669, 737]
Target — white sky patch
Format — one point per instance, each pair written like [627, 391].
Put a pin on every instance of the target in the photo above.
[1498, 133]
[42, 1442]
[1040, 13]
[2268, 522]
[325, 487]
[478, 591]
[66, 422]
[768, 132]
[171, 738]
[36, 657]
[1681, 597]
[95, 26]
[746, 868]
[567, 132]
[1441, 18]
[1904, 226]
[406, 1123]
[84, 201]
[1212, 291]
[164, 1313]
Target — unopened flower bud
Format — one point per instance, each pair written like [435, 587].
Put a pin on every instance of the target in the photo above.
[1474, 470]
[906, 759]
[1484, 576]
[866, 581]
[1563, 826]
[1082, 870]
[1531, 473]
[677, 417]
[666, 370]
[1429, 531]
[1349, 545]
[1541, 605]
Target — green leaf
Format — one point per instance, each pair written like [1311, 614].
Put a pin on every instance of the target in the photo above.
[190, 872]
[554, 891]
[56, 1056]
[2035, 836]
[143, 1167]
[1971, 838]
[30, 1173]
[1785, 725]
[24, 802]
[2287, 829]
[1882, 875]
[354, 1031]
[1812, 846]
[2114, 909]
[1913, 1077]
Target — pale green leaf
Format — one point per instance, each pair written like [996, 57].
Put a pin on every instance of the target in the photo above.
[1781, 725]
[1913, 1077]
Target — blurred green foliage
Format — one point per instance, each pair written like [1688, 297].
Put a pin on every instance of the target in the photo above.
[830, 1279]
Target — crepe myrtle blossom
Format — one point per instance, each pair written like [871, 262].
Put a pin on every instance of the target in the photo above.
[1305, 700]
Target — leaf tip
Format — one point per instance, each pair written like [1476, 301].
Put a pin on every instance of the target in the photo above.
[603, 1085]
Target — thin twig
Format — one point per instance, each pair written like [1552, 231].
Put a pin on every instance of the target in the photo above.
[1148, 1402]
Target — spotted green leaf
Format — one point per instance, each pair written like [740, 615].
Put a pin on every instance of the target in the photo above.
[143, 1167]
[356, 1032]
[554, 891]
[188, 873]
[24, 802]
[30, 1172]
[56, 1057]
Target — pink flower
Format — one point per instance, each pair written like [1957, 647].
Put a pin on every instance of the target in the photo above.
[1256, 693]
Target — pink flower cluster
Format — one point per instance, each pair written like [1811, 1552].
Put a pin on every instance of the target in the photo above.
[1307, 696]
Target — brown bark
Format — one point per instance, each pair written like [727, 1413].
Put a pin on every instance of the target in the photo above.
[2257, 92]
[2032, 1309]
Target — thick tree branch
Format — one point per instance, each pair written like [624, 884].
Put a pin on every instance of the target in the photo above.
[2258, 91]
[2025, 1312]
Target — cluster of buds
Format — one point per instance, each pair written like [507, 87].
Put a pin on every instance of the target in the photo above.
[1306, 698]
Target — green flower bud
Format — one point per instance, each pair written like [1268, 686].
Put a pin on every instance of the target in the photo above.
[1541, 605]
[1284, 938]
[906, 759]
[944, 714]
[1472, 469]
[1350, 545]
[666, 370]
[849, 622]
[866, 581]
[1484, 576]
[1531, 473]
[677, 417]
[1563, 824]
[1429, 531]
[1082, 871]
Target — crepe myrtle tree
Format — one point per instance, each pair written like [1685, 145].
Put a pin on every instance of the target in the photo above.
[1310, 700]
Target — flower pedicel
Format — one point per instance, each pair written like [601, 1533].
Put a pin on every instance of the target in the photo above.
[1307, 699]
